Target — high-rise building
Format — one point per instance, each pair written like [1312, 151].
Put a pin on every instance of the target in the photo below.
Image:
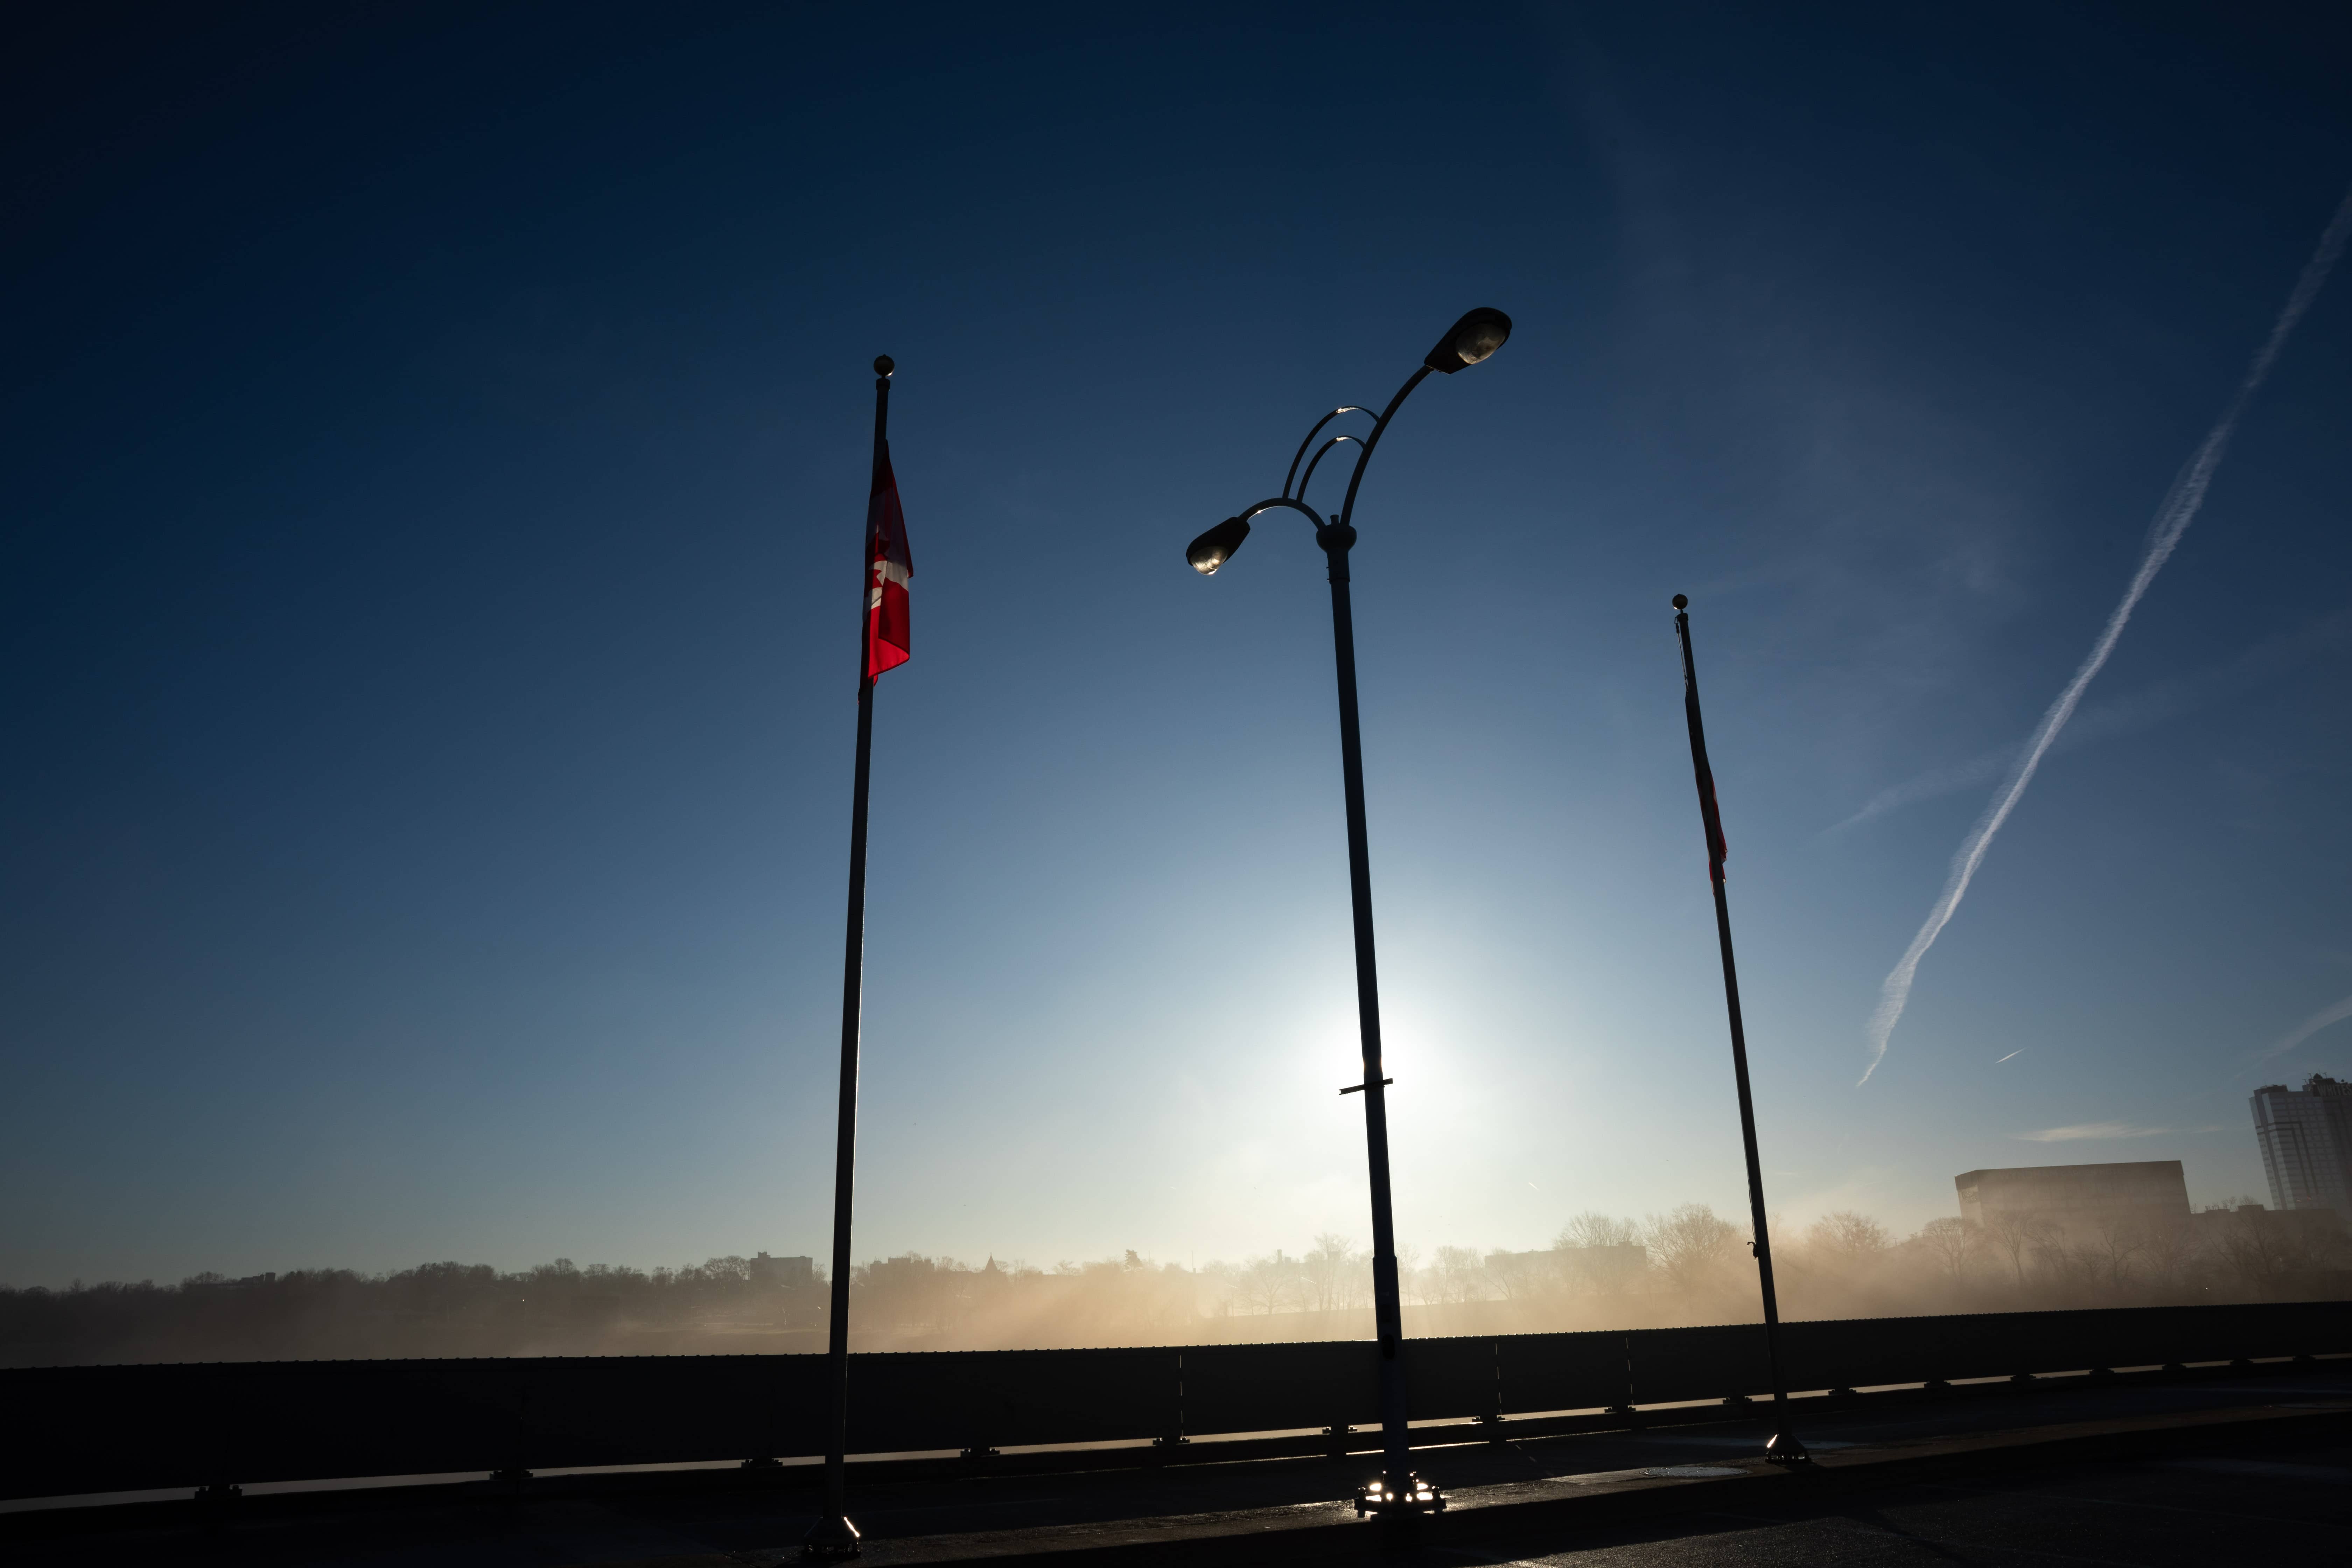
[2305, 1137]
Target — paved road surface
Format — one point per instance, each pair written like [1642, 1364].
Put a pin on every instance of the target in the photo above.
[2288, 1508]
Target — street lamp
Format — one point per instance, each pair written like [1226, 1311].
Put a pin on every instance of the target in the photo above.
[1468, 341]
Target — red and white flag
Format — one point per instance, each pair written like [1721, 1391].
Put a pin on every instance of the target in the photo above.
[889, 568]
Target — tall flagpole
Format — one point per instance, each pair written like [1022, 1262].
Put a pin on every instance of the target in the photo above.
[833, 1535]
[1783, 1448]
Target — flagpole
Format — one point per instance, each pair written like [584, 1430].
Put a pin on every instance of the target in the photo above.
[1783, 1448]
[834, 1536]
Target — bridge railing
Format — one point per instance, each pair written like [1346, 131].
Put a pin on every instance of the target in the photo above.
[118, 1428]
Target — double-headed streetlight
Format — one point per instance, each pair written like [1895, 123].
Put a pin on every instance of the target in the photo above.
[1468, 341]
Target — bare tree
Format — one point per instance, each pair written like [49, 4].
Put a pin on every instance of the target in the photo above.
[1848, 1237]
[1591, 1228]
[2170, 1253]
[1522, 1275]
[1952, 1242]
[1690, 1244]
[2117, 1241]
[1459, 1276]
[1411, 1279]
[1225, 1282]
[1598, 1253]
[1325, 1270]
[1268, 1285]
[2260, 1245]
[2072, 1266]
[2018, 1234]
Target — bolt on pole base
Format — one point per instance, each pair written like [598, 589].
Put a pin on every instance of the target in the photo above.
[831, 1540]
[1412, 1494]
[1784, 1449]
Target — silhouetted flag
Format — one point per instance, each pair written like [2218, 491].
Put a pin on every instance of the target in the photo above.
[1717, 851]
[888, 570]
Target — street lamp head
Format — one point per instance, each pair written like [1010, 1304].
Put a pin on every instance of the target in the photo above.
[1216, 547]
[1474, 338]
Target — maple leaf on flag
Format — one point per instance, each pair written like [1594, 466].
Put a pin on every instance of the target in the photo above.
[888, 569]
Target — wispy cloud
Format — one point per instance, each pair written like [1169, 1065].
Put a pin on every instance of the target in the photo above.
[2308, 1027]
[1932, 784]
[2090, 1130]
[2083, 1130]
[2172, 520]
[2144, 709]
[2019, 1052]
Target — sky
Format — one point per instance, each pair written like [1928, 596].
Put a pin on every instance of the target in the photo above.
[433, 474]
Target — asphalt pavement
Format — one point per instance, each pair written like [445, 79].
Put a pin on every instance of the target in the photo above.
[2287, 1506]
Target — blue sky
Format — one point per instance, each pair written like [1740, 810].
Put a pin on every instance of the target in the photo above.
[435, 473]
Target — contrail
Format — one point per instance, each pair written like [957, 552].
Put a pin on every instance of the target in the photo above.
[2172, 520]
[2309, 1027]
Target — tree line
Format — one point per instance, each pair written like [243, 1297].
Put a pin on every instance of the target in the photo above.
[1686, 1265]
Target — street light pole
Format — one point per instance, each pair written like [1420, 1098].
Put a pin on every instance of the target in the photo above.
[1471, 340]
[1387, 1296]
[1784, 1448]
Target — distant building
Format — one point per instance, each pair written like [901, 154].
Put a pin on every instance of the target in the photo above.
[218, 1282]
[2132, 1204]
[2305, 1137]
[789, 1273]
[2076, 1197]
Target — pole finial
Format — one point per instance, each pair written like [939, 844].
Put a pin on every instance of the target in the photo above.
[1681, 602]
[883, 365]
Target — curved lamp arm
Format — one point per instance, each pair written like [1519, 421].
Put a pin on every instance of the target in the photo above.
[1469, 341]
[1319, 455]
[1297, 506]
[1348, 507]
[1215, 548]
[1343, 408]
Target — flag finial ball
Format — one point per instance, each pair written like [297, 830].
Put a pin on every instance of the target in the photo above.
[883, 365]
[1681, 602]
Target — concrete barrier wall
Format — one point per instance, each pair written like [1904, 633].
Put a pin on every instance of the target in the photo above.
[116, 1429]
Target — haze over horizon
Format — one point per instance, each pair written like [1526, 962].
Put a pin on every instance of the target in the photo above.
[436, 463]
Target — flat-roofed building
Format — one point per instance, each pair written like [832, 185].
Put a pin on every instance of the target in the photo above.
[791, 1273]
[2305, 1137]
[2072, 1196]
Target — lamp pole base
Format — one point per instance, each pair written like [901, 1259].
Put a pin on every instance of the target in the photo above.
[1411, 1495]
[830, 1539]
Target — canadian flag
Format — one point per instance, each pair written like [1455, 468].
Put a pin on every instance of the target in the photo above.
[889, 568]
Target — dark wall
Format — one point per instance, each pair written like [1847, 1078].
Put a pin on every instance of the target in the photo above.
[107, 1428]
